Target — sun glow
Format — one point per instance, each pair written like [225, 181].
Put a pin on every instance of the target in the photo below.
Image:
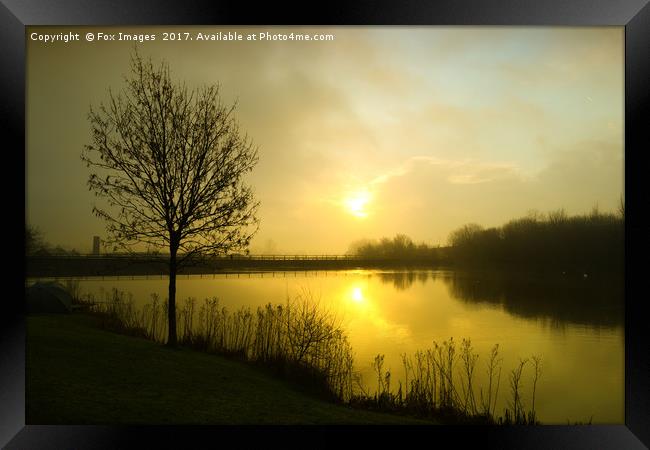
[356, 203]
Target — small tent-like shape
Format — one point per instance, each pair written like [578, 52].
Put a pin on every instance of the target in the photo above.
[48, 297]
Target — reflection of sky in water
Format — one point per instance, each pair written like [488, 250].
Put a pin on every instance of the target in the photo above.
[397, 313]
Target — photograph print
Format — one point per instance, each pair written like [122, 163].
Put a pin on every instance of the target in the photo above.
[325, 225]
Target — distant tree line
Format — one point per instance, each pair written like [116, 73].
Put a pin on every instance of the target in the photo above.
[553, 240]
[400, 247]
[36, 245]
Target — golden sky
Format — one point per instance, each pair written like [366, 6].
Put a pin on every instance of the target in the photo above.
[384, 130]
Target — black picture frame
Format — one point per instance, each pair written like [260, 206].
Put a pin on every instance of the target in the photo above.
[634, 15]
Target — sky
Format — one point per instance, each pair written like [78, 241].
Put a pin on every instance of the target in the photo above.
[382, 130]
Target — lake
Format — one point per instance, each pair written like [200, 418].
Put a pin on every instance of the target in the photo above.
[573, 321]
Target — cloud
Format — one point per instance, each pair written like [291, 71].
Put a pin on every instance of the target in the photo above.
[465, 171]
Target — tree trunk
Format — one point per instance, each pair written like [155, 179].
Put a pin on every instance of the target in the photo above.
[171, 314]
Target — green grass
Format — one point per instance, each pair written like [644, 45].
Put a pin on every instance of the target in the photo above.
[80, 374]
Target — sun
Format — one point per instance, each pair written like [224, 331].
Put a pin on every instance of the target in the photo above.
[356, 203]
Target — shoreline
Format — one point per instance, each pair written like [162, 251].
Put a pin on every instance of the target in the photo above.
[82, 374]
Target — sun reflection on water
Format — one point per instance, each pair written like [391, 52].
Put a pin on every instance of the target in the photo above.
[357, 295]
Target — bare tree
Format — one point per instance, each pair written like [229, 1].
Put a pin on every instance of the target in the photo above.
[464, 234]
[309, 328]
[170, 162]
[34, 241]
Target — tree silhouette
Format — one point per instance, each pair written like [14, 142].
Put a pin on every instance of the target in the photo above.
[34, 241]
[170, 162]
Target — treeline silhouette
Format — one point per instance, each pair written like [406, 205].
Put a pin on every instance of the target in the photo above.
[554, 242]
[401, 247]
[36, 245]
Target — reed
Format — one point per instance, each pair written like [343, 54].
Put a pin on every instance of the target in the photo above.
[304, 343]
[440, 383]
[299, 339]
[73, 288]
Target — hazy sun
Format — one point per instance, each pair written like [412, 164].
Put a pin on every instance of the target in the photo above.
[356, 203]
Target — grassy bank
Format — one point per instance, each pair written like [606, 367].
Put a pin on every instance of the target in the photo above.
[80, 374]
[304, 344]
